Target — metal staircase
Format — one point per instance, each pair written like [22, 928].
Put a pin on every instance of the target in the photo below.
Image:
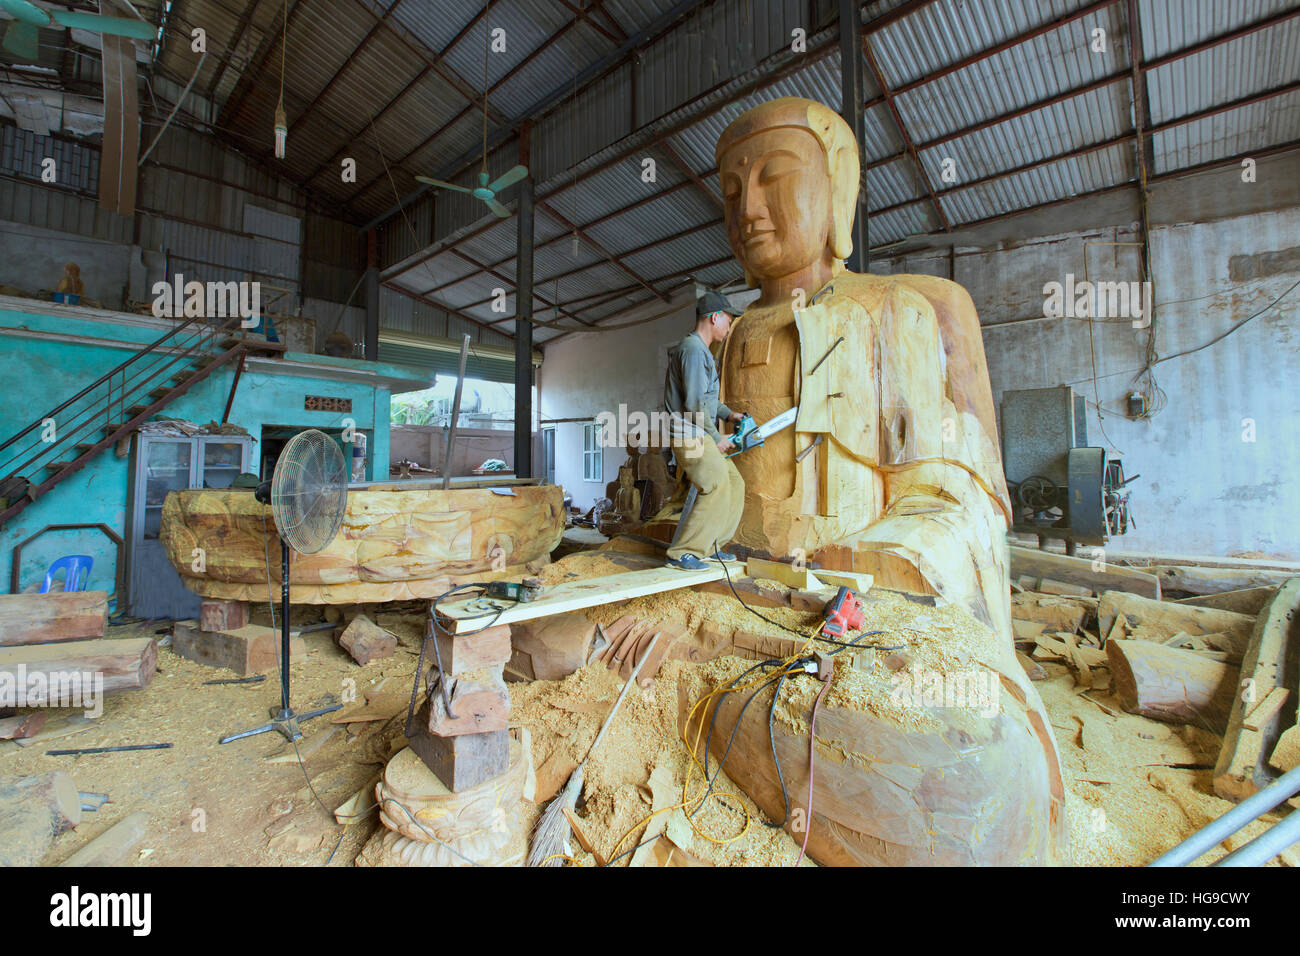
[66, 438]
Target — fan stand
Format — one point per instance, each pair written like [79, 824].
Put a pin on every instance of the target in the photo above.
[283, 718]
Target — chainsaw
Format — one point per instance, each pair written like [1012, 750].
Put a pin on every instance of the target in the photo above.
[748, 434]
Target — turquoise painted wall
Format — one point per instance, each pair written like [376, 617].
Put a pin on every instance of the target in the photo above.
[42, 368]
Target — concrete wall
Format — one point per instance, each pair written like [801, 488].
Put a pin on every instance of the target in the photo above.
[51, 357]
[588, 373]
[1220, 463]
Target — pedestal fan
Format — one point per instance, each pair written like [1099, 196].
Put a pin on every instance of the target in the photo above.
[308, 493]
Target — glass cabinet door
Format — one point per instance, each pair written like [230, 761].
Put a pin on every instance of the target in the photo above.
[221, 463]
[167, 467]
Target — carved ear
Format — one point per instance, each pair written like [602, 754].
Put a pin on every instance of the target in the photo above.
[844, 200]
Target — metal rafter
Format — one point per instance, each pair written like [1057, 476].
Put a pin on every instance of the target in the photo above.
[443, 307]
[240, 28]
[247, 79]
[497, 120]
[609, 256]
[485, 269]
[902, 131]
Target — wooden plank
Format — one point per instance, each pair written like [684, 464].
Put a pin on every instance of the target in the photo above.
[1079, 571]
[463, 653]
[22, 726]
[860, 582]
[592, 592]
[115, 846]
[1170, 684]
[57, 616]
[1266, 709]
[787, 574]
[1242, 768]
[122, 664]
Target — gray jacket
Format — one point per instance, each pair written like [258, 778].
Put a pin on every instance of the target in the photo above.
[691, 386]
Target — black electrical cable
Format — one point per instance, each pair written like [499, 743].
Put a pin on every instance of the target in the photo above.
[771, 737]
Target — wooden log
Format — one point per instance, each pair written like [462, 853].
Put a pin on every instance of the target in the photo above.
[479, 700]
[403, 541]
[1079, 571]
[366, 641]
[33, 811]
[249, 650]
[1159, 620]
[1246, 601]
[57, 616]
[462, 653]
[217, 615]
[121, 664]
[1170, 684]
[115, 846]
[1269, 663]
[1048, 613]
[1208, 580]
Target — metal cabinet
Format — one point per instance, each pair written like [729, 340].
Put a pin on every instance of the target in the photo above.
[161, 464]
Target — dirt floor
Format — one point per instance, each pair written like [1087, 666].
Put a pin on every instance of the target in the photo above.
[1135, 786]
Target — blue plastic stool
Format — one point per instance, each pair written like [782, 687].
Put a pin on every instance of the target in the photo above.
[77, 570]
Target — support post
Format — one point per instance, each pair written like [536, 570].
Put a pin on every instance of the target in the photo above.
[524, 320]
[372, 296]
[851, 99]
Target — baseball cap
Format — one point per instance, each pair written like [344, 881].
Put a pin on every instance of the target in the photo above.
[712, 302]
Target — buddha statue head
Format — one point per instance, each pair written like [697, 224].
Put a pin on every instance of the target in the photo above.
[789, 172]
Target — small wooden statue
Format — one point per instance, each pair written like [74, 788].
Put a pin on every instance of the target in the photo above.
[71, 283]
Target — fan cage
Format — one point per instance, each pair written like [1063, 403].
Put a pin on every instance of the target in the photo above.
[309, 491]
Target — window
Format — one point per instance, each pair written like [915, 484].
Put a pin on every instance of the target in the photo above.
[593, 467]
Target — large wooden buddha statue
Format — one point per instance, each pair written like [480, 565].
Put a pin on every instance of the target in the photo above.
[902, 476]
[891, 468]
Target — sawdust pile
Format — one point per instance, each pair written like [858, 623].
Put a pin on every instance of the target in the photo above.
[641, 766]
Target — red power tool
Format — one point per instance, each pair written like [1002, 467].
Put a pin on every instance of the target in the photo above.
[843, 613]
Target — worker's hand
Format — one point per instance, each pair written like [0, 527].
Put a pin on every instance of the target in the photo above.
[726, 445]
[629, 640]
[736, 416]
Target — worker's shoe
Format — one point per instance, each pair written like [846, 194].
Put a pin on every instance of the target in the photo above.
[722, 556]
[687, 562]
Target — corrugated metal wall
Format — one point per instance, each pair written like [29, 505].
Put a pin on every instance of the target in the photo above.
[206, 212]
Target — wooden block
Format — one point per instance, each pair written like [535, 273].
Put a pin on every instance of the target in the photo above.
[464, 761]
[1157, 620]
[366, 641]
[1286, 755]
[122, 664]
[217, 615]
[480, 702]
[57, 616]
[248, 650]
[551, 648]
[462, 653]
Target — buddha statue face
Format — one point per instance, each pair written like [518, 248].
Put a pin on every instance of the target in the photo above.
[777, 197]
[789, 175]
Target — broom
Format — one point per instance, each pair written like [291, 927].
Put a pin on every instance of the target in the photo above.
[553, 829]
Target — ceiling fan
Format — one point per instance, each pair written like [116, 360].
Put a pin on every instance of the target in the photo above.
[485, 190]
[21, 37]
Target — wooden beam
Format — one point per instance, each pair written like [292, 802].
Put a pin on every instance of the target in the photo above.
[58, 616]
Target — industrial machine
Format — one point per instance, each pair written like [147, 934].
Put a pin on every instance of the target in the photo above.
[1060, 486]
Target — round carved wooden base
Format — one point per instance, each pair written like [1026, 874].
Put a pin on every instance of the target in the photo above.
[483, 824]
